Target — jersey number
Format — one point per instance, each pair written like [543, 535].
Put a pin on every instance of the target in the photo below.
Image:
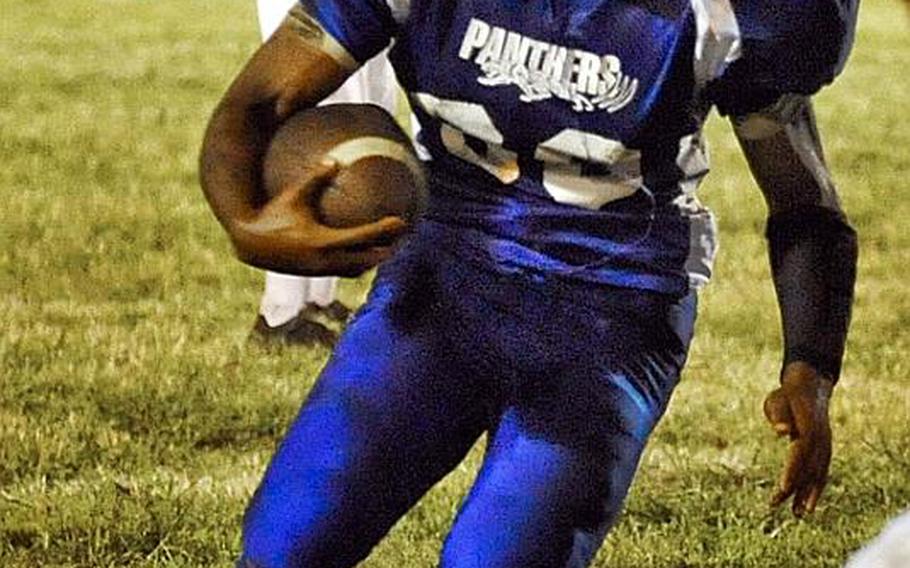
[579, 168]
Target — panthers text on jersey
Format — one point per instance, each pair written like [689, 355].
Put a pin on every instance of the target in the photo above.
[565, 135]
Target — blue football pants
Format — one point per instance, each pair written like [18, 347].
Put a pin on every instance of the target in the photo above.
[567, 380]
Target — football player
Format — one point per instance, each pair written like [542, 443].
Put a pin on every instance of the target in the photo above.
[548, 295]
[292, 306]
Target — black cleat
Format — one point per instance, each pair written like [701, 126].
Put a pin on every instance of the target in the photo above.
[300, 330]
[336, 311]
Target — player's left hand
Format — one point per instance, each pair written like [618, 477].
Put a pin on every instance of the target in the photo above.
[799, 409]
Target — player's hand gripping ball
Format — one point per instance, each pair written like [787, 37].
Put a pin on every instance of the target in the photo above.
[379, 174]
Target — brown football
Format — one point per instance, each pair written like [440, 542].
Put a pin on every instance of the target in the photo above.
[380, 174]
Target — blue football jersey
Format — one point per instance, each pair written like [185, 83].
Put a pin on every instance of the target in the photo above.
[564, 136]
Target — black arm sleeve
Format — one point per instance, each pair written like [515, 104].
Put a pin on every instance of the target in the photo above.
[813, 262]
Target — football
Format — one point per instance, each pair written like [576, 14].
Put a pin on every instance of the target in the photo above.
[380, 174]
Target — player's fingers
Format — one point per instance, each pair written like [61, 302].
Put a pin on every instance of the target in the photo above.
[820, 465]
[777, 411]
[385, 230]
[793, 473]
[321, 177]
[800, 500]
[784, 429]
[784, 489]
[807, 470]
[814, 493]
[779, 496]
[809, 488]
[289, 204]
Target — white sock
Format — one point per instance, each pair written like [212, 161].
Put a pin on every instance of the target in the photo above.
[284, 297]
[321, 291]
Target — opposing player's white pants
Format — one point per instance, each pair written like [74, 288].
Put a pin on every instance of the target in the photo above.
[271, 13]
[891, 549]
[285, 296]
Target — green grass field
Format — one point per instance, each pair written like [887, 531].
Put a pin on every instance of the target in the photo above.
[135, 421]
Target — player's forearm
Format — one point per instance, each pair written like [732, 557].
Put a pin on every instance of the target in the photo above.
[234, 143]
[813, 254]
[812, 246]
[285, 75]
